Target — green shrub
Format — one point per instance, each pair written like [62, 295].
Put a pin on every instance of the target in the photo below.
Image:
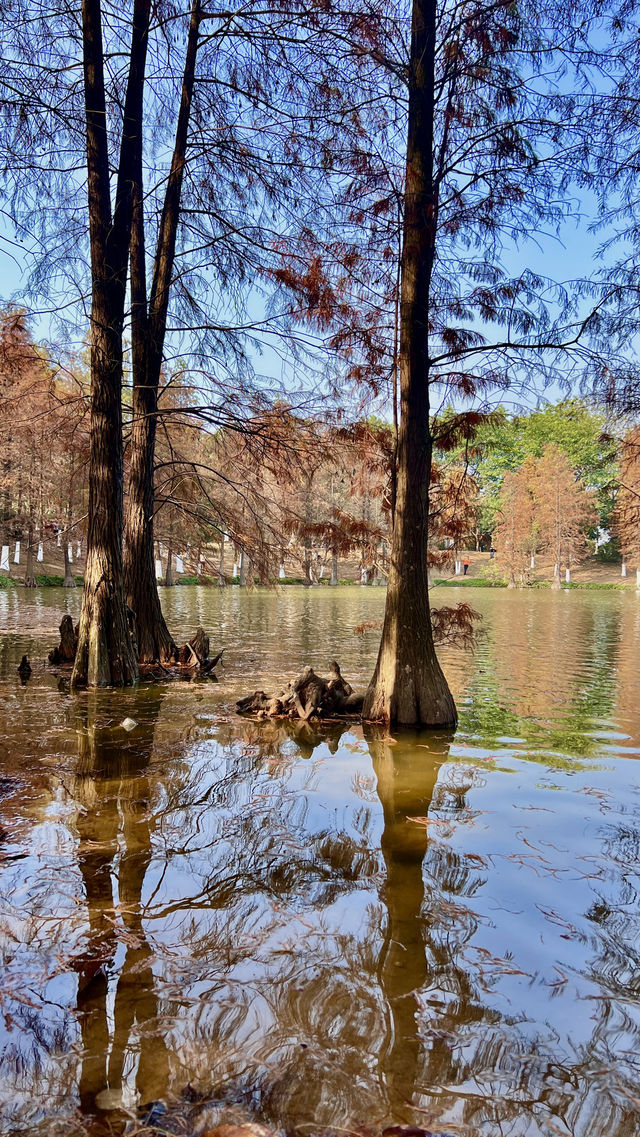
[609, 553]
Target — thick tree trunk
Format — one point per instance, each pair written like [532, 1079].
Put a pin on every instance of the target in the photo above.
[148, 336]
[106, 651]
[154, 639]
[408, 685]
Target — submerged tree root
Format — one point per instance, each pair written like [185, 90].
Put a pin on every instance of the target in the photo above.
[306, 697]
[191, 661]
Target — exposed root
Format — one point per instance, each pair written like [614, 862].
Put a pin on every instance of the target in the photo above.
[190, 661]
[309, 696]
[66, 650]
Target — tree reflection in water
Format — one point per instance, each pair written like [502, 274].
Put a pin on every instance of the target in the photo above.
[254, 917]
[123, 1046]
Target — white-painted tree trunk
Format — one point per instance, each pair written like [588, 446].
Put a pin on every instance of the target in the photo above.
[624, 569]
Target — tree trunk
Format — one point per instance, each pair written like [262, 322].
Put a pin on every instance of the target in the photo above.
[106, 652]
[307, 565]
[154, 639]
[148, 335]
[69, 579]
[222, 580]
[408, 685]
[29, 576]
[168, 576]
[243, 569]
[334, 570]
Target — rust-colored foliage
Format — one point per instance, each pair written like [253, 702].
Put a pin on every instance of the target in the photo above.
[455, 625]
[626, 519]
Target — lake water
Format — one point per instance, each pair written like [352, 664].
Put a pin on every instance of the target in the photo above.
[326, 930]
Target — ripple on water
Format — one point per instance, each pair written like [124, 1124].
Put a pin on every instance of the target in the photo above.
[325, 927]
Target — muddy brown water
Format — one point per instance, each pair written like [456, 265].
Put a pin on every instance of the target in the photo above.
[321, 929]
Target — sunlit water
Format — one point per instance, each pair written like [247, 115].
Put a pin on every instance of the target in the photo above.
[209, 919]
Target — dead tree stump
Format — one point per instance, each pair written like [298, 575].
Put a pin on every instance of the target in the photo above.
[66, 650]
[307, 696]
[194, 655]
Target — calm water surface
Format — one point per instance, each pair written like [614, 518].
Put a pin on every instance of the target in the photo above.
[209, 919]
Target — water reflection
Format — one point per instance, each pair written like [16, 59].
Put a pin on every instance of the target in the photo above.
[330, 927]
[406, 772]
[124, 1053]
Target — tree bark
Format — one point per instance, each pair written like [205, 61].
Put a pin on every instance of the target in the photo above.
[148, 330]
[29, 576]
[334, 570]
[69, 580]
[222, 580]
[168, 576]
[106, 652]
[408, 685]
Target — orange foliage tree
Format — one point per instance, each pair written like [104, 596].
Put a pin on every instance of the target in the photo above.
[516, 534]
[626, 518]
[564, 509]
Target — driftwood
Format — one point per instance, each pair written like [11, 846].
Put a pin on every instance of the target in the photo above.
[306, 697]
[66, 650]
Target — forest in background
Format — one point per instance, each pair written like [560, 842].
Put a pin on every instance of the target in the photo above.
[278, 496]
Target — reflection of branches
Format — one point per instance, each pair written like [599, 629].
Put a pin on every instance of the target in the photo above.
[306, 953]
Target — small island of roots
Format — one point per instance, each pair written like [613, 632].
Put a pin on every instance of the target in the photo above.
[190, 660]
[306, 697]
